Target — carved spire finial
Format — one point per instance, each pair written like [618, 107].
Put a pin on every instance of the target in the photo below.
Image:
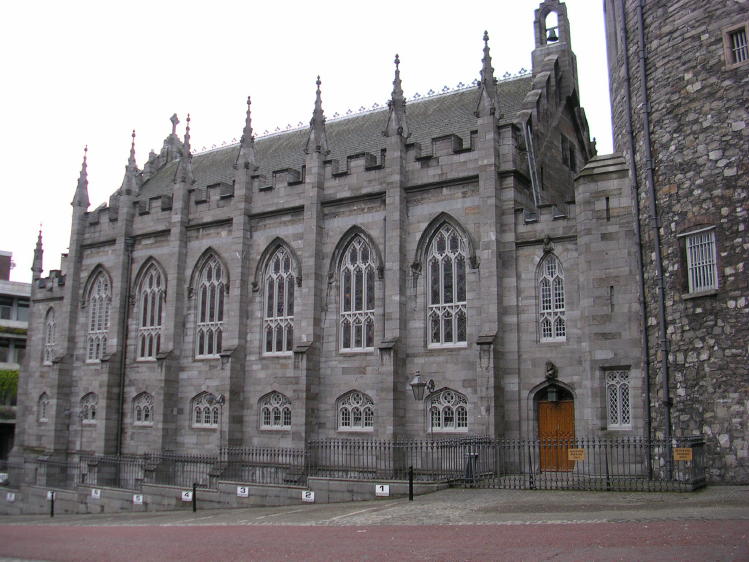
[37, 265]
[187, 136]
[247, 142]
[397, 124]
[317, 140]
[488, 84]
[80, 199]
[131, 160]
[175, 121]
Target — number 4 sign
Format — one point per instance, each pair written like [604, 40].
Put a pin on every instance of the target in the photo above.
[186, 495]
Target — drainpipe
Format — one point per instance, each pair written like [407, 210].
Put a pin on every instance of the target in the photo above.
[129, 244]
[654, 226]
[638, 235]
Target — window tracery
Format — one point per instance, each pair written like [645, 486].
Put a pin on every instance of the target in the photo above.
[99, 305]
[143, 409]
[151, 309]
[275, 411]
[552, 321]
[448, 411]
[205, 410]
[446, 281]
[88, 408]
[355, 412]
[278, 325]
[49, 336]
[43, 407]
[357, 278]
[210, 313]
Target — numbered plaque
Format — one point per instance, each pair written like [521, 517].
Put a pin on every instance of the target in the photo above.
[308, 496]
[3, 477]
[50, 495]
[10, 497]
[382, 490]
[243, 491]
[186, 495]
[137, 499]
[95, 493]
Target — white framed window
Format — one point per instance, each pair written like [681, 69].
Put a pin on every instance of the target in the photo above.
[735, 45]
[278, 325]
[151, 310]
[618, 400]
[205, 410]
[448, 411]
[357, 277]
[42, 408]
[99, 305]
[88, 408]
[552, 321]
[446, 294]
[49, 337]
[210, 313]
[275, 412]
[355, 412]
[143, 409]
[702, 265]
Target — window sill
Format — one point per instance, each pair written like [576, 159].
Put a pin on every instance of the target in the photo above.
[143, 425]
[618, 428]
[460, 345]
[206, 357]
[145, 360]
[355, 429]
[553, 340]
[356, 350]
[276, 429]
[699, 294]
[278, 353]
[451, 430]
[205, 427]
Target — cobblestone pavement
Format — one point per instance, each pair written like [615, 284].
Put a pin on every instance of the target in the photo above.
[711, 524]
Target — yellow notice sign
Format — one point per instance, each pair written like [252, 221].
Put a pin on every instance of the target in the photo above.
[682, 453]
[575, 454]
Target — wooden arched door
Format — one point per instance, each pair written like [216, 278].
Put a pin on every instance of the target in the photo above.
[556, 430]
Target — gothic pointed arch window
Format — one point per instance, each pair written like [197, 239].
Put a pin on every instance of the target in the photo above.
[206, 410]
[357, 283]
[278, 323]
[356, 412]
[552, 321]
[88, 408]
[143, 409]
[446, 293]
[49, 336]
[150, 312]
[42, 407]
[275, 412]
[448, 411]
[211, 291]
[99, 305]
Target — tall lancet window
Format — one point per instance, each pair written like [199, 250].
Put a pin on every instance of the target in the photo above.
[49, 337]
[99, 305]
[210, 313]
[552, 323]
[357, 276]
[446, 278]
[151, 310]
[279, 304]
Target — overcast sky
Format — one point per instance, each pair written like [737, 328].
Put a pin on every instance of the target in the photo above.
[82, 73]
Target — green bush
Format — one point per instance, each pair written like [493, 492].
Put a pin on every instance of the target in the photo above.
[8, 385]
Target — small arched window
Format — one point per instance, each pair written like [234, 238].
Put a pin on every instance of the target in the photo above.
[151, 311]
[49, 337]
[143, 409]
[88, 408]
[42, 408]
[448, 411]
[275, 411]
[446, 279]
[278, 325]
[99, 304]
[552, 322]
[206, 410]
[210, 312]
[355, 412]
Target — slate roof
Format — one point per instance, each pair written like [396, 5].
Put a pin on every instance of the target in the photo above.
[428, 118]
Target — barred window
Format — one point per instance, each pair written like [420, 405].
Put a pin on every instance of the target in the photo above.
[357, 274]
[355, 412]
[151, 305]
[446, 279]
[552, 322]
[143, 409]
[618, 400]
[735, 45]
[210, 313]
[279, 304]
[88, 408]
[49, 337]
[205, 410]
[275, 411]
[99, 305]
[42, 407]
[448, 411]
[702, 269]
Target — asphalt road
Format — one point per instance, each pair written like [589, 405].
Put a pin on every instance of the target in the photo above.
[712, 524]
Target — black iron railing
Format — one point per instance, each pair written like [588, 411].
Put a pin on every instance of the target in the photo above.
[569, 464]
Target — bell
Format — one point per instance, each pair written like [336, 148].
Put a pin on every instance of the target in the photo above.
[551, 35]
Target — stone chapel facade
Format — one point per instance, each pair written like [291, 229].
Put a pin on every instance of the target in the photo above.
[297, 286]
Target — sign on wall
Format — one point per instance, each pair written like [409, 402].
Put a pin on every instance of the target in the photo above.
[382, 490]
[10, 497]
[682, 453]
[50, 495]
[137, 499]
[243, 491]
[308, 496]
[186, 495]
[575, 454]
[3, 477]
[96, 493]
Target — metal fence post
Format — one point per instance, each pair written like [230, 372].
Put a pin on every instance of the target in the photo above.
[410, 483]
[52, 505]
[194, 497]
